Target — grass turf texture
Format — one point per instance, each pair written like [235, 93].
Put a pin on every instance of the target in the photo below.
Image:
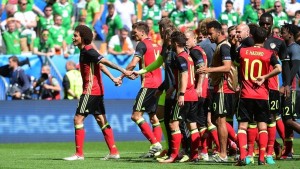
[49, 155]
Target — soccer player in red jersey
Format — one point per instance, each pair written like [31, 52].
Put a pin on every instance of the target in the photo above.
[201, 84]
[223, 96]
[146, 52]
[91, 100]
[253, 104]
[186, 105]
[278, 46]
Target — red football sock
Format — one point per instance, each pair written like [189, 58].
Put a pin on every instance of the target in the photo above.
[242, 143]
[176, 140]
[251, 137]
[146, 130]
[157, 131]
[109, 139]
[213, 130]
[195, 139]
[203, 140]
[271, 138]
[231, 132]
[263, 141]
[79, 140]
[280, 128]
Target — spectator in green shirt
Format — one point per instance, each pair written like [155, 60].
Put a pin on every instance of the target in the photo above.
[250, 14]
[113, 22]
[46, 21]
[269, 5]
[93, 11]
[181, 16]
[279, 16]
[151, 10]
[44, 46]
[64, 9]
[229, 16]
[58, 34]
[11, 38]
[205, 12]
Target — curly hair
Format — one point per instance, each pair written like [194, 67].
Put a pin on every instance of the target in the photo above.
[291, 28]
[202, 26]
[85, 33]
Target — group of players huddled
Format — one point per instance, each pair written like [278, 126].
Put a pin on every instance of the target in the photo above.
[210, 77]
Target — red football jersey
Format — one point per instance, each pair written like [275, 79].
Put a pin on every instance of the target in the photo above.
[199, 57]
[89, 60]
[254, 62]
[182, 66]
[151, 79]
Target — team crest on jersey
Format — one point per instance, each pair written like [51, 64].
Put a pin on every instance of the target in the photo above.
[272, 45]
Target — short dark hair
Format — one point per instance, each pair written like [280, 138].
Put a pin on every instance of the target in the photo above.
[252, 27]
[48, 6]
[231, 28]
[214, 24]
[260, 35]
[179, 38]
[266, 15]
[141, 26]
[14, 59]
[297, 12]
[291, 28]
[110, 6]
[229, 2]
[85, 33]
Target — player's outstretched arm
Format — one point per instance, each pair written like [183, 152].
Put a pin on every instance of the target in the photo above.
[104, 69]
[114, 66]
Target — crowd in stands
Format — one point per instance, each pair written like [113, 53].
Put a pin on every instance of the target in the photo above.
[30, 30]
[25, 24]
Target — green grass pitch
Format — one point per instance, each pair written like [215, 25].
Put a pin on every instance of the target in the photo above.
[49, 156]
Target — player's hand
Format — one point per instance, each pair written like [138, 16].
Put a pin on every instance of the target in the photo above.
[199, 92]
[117, 81]
[127, 73]
[17, 94]
[203, 70]
[46, 86]
[180, 101]
[132, 76]
[260, 80]
[287, 91]
[135, 73]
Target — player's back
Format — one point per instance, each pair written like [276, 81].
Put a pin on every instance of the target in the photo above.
[254, 62]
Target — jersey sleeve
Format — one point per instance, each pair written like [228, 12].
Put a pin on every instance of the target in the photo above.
[225, 52]
[282, 53]
[94, 56]
[140, 50]
[294, 52]
[182, 64]
[273, 60]
[197, 57]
